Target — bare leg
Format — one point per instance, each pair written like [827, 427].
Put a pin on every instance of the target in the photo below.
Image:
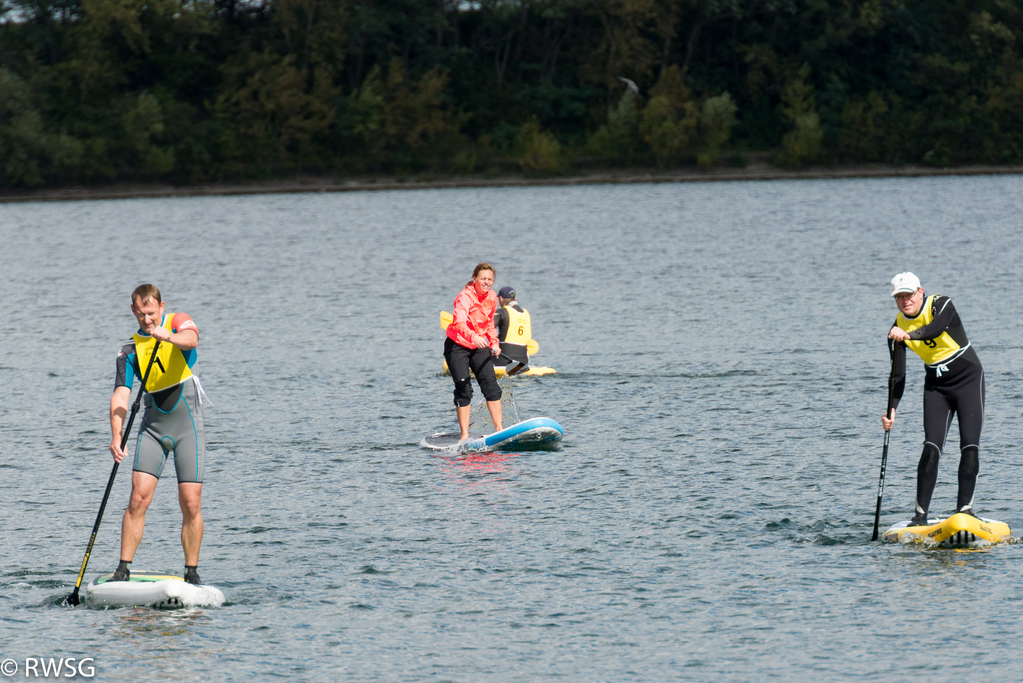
[190, 500]
[463, 421]
[495, 414]
[142, 487]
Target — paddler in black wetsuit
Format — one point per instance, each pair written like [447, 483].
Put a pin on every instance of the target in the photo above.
[513, 328]
[954, 383]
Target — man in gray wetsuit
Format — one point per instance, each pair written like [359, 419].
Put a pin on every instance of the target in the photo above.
[172, 423]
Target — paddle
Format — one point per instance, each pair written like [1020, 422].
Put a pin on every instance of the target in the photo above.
[532, 347]
[520, 367]
[73, 598]
[884, 453]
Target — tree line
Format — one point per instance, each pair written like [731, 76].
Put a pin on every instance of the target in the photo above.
[188, 91]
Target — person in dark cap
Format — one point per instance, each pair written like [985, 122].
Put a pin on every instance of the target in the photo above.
[513, 328]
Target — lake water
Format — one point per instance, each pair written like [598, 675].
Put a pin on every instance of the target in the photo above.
[722, 370]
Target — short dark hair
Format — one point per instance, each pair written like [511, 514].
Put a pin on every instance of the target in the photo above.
[144, 293]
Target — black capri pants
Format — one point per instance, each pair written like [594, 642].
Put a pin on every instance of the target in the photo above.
[480, 362]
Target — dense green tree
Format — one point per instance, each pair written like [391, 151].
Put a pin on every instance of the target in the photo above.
[539, 152]
[191, 90]
[31, 156]
[620, 137]
[802, 144]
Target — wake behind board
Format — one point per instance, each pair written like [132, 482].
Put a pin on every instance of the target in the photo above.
[958, 531]
[151, 589]
[538, 433]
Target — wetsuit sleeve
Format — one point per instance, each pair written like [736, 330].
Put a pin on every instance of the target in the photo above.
[181, 322]
[126, 366]
[944, 314]
[501, 323]
[899, 349]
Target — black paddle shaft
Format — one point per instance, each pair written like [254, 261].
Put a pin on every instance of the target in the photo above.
[884, 453]
[73, 598]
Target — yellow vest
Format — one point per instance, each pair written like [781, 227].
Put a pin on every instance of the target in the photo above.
[932, 351]
[519, 329]
[170, 367]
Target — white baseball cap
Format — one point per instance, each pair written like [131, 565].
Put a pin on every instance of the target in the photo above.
[905, 282]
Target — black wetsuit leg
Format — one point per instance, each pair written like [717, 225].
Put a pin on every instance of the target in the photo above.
[963, 395]
[970, 415]
[937, 418]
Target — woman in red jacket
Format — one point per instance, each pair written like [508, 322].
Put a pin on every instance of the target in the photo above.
[472, 344]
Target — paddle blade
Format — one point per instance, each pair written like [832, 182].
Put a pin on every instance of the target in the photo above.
[514, 367]
[72, 600]
[521, 367]
[445, 319]
[532, 347]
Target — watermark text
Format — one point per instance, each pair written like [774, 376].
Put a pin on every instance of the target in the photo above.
[49, 667]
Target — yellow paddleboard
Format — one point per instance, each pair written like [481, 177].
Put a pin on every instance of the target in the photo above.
[958, 531]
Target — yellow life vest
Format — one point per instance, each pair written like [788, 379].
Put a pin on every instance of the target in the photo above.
[932, 351]
[170, 367]
[519, 329]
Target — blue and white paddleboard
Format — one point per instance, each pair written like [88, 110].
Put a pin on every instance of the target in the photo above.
[536, 434]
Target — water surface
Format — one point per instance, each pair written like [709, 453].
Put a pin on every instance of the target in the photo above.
[721, 374]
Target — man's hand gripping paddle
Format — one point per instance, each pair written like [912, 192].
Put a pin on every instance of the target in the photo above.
[884, 453]
[72, 599]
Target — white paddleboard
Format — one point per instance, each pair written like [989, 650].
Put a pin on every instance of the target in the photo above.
[537, 433]
[151, 589]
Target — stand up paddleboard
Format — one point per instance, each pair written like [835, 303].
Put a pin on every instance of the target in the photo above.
[151, 589]
[538, 433]
[958, 531]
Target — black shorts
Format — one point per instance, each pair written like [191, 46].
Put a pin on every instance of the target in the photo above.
[480, 362]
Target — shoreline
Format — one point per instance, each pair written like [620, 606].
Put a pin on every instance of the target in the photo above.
[758, 171]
